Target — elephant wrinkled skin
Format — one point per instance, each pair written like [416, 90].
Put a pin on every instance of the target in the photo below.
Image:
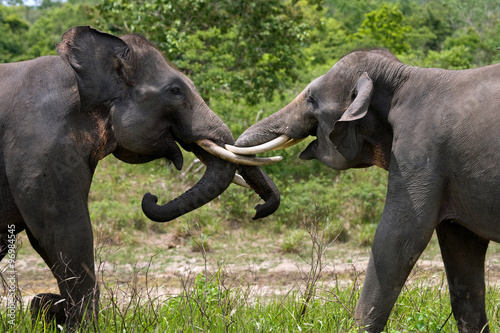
[60, 115]
[437, 134]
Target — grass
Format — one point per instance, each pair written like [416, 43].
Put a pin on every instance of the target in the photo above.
[225, 301]
[215, 270]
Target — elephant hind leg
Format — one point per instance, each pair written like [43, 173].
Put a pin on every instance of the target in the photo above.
[463, 255]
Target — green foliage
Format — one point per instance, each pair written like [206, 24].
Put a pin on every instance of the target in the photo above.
[207, 291]
[294, 241]
[430, 24]
[12, 31]
[457, 57]
[46, 31]
[326, 39]
[350, 12]
[246, 49]
[384, 27]
[27, 33]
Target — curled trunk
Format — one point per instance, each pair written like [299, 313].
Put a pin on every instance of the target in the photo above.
[218, 176]
[260, 182]
[216, 179]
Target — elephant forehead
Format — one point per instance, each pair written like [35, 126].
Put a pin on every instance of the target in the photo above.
[341, 74]
[148, 90]
[340, 66]
[317, 85]
[154, 71]
[148, 64]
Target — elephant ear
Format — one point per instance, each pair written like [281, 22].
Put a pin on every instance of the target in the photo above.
[345, 134]
[99, 61]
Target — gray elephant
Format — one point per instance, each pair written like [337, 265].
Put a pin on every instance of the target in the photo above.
[60, 115]
[437, 133]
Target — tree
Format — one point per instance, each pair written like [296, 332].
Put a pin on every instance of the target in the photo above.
[47, 30]
[326, 39]
[350, 12]
[384, 27]
[13, 28]
[247, 49]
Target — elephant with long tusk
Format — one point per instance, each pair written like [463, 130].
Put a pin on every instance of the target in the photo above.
[437, 133]
[60, 115]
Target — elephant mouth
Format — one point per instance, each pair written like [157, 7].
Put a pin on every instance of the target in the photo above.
[174, 154]
[221, 152]
[309, 152]
[313, 131]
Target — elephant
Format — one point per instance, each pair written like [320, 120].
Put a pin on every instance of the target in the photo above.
[61, 114]
[436, 133]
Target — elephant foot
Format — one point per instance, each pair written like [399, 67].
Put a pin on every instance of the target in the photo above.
[48, 307]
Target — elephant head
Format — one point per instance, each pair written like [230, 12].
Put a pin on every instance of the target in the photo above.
[152, 108]
[333, 108]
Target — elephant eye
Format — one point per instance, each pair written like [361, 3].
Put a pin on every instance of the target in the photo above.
[176, 91]
[311, 100]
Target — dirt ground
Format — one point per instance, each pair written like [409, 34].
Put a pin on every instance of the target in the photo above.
[266, 273]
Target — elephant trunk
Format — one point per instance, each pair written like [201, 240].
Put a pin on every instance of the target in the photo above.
[260, 182]
[217, 178]
[263, 131]
[291, 121]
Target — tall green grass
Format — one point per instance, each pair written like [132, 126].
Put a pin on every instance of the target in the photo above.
[220, 302]
[220, 299]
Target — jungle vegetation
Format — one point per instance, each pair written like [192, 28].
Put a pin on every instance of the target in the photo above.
[248, 59]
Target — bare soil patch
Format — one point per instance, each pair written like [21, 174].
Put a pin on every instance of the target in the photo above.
[265, 273]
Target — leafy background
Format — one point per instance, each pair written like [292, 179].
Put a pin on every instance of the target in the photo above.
[248, 59]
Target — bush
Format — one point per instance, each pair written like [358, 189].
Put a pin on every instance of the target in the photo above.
[294, 241]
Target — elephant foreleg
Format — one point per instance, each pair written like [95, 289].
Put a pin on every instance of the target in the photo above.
[71, 260]
[49, 307]
[405, 228]
[392, 259]
[463, 255]
[51, 194]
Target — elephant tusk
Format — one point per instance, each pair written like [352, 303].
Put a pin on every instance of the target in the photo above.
[220, 152]
[280, 142]
[289, 143]
[238, 180]
[270, 145]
